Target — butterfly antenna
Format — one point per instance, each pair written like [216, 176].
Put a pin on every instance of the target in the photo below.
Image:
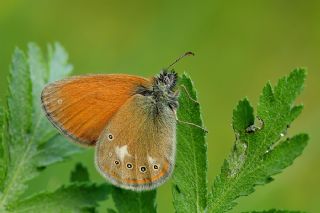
[181, 57]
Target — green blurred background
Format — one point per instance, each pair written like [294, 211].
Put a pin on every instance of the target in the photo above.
[239, 45]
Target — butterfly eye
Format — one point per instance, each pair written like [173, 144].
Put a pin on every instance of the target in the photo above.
[116, 162]
[129, 165]
[155, 167]
[143, 169]
[110, 137]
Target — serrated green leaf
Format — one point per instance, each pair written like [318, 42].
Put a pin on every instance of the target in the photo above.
[190, 192]
[39, 75]
[58, 63]
[30, 140]
[79, 174]
[295, 112]
[18, 127]
[283, 155]
[276, 211]
[259, 151]
[242, 116]
[19, 100]
[127, 201]
[78, 197]
[55, 150]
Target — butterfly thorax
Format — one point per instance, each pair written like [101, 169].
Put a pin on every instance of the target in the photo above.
[163, 89]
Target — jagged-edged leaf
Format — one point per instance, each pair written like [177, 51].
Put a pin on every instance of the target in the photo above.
[55, 150]
[127, 201]
[79, 174]
[77, 197]
[260, 150]
[283, 155]
[58, 65]
[18, 127]
[190, 174]
[19, 100]
[242, 116]
[30, 141]
[38, 74]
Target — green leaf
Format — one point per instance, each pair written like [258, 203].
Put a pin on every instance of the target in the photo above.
[28, 140]
[55, 150]
[276, 211]
[58, 65]
[39, 74]
[19, 100]
[242, 116]
[190, 174]
[18, 128]
[78, 197]
[111, 211]
[260, 149]
[127, 201]
[79, 174]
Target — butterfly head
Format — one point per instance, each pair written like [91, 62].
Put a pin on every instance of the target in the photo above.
[164, 88]
[166, 80]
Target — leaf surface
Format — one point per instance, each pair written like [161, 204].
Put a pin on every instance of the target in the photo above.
[77, 197]
[127, 201]
[261, 149]
[28, 140]
[190, 174]
[79, 174]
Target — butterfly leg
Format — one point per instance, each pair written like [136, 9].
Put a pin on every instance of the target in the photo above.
[187, 92]
[188, 123]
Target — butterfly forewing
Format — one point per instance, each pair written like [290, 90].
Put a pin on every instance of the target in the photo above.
[136, 150]
[80, 107]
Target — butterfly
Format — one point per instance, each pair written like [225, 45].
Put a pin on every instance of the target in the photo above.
[130, 120]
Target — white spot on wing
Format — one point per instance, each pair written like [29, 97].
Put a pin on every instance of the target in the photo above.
[122, 152]
[151, 160]
[59, 101]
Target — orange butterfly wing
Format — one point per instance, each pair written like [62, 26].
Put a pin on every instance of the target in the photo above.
[80, 107]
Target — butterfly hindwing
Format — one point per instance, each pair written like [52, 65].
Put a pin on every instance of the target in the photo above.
[137, 148]
[80, 107]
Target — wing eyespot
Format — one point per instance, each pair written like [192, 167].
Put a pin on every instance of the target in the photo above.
[110, 137]
[155, 167]
[129, 166]
[143, 169]
[117, 162]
